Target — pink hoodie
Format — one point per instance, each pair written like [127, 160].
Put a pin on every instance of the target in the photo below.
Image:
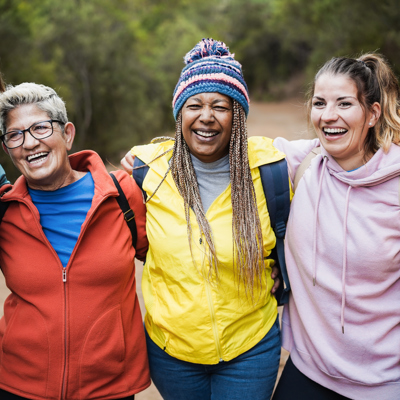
[343, 234]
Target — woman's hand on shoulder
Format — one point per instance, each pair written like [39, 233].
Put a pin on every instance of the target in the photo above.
[275, 277]
[127, 162]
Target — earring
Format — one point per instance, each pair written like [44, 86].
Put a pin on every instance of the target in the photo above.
[370, 123]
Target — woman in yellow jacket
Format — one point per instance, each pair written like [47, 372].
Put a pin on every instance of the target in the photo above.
[211, 322]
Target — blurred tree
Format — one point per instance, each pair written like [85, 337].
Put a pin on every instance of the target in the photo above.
[336, 28]
[256, 39]
[116, 63]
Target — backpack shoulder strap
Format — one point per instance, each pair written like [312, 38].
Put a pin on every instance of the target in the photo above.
[304, 165]
[275, 182]
[128, 213]
[3, 209]
[139, 174]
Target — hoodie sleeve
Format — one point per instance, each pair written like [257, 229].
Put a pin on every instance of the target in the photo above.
[295, 151]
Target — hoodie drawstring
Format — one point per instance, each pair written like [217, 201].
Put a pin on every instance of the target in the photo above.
[344, 254]
[344, 259]
[316, 220]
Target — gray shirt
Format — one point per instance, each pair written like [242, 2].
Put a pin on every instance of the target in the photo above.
[213, 178]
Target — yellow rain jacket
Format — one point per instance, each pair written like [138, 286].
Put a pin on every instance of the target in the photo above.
[188, 315]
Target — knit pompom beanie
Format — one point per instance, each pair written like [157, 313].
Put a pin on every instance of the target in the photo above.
[210, 67]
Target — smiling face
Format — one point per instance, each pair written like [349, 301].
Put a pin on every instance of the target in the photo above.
[207, 125]
[340, 121]
[44, 162]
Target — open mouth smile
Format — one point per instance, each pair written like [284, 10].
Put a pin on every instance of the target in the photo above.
[334, 131]
[36, 158]
[206, 134]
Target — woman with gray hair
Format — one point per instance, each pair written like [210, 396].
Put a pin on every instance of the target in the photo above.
[72, 327]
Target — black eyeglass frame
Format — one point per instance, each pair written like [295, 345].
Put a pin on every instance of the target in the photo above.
[2, 137]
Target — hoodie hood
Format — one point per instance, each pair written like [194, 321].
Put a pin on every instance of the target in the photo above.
[380, 168]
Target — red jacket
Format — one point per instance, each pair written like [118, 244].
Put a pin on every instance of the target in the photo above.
[83, 338]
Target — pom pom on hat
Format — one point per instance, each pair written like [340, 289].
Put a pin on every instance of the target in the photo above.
[208, 48]
[210, 67]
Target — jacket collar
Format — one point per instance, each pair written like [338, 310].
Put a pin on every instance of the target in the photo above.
[86, 160]
[260, 150]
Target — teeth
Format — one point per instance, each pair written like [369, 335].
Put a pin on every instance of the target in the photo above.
[336, 130]
[205, 134]
[34, 156]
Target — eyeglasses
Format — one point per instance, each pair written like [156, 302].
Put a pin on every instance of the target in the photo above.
[39, 130]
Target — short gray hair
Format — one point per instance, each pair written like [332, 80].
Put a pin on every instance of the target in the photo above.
[44, 97]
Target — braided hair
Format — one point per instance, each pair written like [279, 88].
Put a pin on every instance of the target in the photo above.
[246, 225]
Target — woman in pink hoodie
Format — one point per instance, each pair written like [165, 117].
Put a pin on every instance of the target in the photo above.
[342, 323]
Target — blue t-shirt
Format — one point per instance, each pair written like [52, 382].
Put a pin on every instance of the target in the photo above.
[62, 213]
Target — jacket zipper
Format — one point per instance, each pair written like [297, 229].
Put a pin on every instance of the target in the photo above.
[212, 309]
[64, 278]
[64, 381]
[213, 321]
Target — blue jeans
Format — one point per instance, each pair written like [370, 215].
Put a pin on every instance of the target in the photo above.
[251, 375]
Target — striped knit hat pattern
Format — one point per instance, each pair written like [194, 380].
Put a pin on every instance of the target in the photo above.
[210, 67]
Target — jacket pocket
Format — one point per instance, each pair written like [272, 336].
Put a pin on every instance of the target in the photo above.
[102, 362]
[25, 350]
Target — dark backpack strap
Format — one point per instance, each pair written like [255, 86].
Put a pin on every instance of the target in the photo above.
[275, 181]
[139, 174]
[129, 215]
[3, 209]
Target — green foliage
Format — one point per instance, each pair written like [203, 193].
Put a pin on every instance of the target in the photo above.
[116, 63]
[335, 28]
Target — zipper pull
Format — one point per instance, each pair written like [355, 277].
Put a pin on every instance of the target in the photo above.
[64, 275]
